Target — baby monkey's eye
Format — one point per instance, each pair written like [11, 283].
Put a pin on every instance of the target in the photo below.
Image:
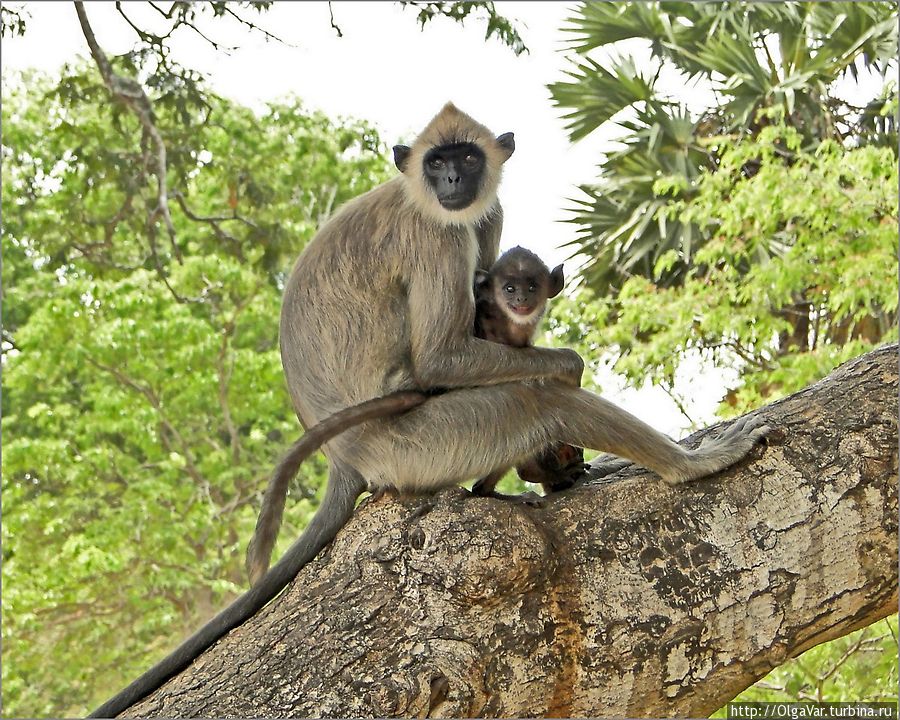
[510, 289]
[532, 288]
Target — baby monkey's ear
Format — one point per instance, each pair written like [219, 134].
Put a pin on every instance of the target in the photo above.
[557, 280]
[482, 277]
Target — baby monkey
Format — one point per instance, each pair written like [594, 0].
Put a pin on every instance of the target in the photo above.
[510, 301]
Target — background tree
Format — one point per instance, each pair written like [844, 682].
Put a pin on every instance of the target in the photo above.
[757, 235]
[749, 57]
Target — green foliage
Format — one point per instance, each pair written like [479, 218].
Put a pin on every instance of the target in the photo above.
[799, 274]
[496, 25]
[620, 226]
[144, 403]
[859, 666]
[760, 61]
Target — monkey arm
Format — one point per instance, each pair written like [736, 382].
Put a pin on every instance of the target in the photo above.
[474, 362]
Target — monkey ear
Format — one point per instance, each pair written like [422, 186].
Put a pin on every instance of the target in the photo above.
[507, 143]
[557, 280]
[481, 278]
[401, 156]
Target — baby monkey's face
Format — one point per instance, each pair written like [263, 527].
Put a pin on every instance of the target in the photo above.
[520, 284]
[522, 297]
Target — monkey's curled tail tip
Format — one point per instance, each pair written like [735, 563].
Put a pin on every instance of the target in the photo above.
[255, 566]
[259, 551]
[256, 573]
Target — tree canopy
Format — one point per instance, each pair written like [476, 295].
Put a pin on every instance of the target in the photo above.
[799, 273]
[142, 414]
[749, 58]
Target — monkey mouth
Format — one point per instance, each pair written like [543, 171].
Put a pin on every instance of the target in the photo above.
[455, 202]
[521, 309]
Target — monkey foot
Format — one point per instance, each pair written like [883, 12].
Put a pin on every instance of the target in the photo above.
[380, 492]
[571, 475]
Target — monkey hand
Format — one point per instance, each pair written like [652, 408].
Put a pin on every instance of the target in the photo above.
[571, 367]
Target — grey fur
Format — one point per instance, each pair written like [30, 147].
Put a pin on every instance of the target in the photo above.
[360, 320]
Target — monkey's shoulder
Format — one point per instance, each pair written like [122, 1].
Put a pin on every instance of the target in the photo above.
[379, 207]
[385, 214]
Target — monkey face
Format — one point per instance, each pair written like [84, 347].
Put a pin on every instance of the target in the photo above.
[521, 298]
[521, 285]
[454, 173]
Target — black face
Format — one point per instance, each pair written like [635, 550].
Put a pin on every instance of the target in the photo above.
[523, 294]
[454, 172]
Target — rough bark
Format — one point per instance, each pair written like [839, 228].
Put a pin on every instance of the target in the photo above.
[620, 598]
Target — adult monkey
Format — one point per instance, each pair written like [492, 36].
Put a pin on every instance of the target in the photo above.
[381, 301]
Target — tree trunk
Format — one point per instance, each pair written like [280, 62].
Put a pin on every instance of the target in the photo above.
[622, 597]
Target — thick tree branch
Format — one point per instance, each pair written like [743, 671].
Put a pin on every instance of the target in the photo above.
[622, 597]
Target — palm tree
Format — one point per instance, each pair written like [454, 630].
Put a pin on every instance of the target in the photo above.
[758, 61]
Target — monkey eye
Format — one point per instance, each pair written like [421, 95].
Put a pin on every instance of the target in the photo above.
[532, 288]
[436, 163]
[509, 289]
[470, 160]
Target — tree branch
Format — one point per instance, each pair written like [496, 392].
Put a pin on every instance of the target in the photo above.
[331, 16]
[215, 222]
[257, 28]
[131, 93]
[621, 597]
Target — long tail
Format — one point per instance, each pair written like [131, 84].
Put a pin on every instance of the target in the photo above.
[334, 512]
[259, 551]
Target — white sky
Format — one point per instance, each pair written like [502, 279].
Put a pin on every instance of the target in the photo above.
[385, 70]
[388, 71]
